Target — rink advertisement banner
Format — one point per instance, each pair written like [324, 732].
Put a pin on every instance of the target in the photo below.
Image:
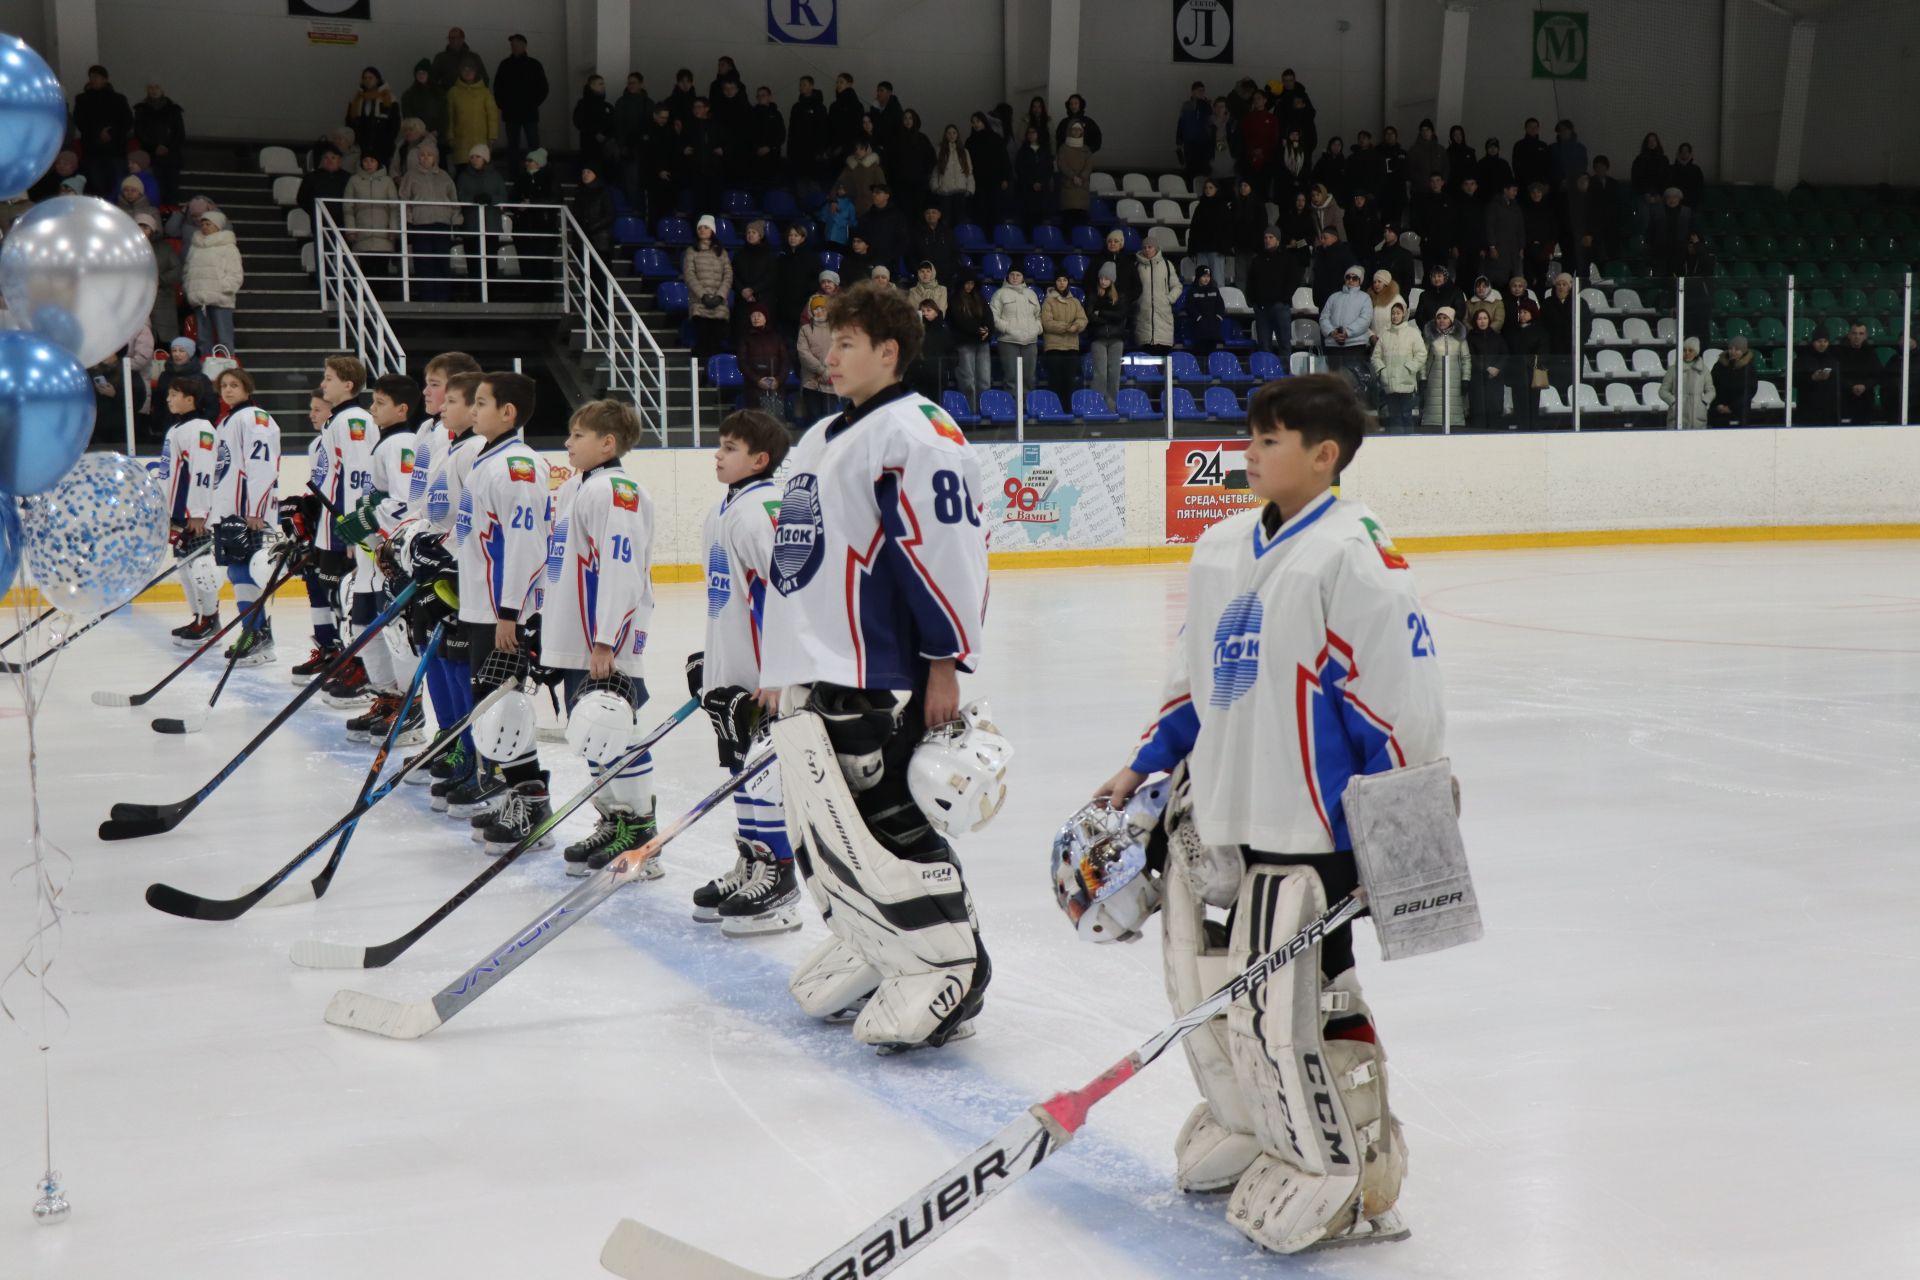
[1203, 30]
[1559, 45]
[1055, 496]
[1206, 483]
[803, 22]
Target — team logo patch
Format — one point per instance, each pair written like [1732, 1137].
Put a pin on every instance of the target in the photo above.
[557, 551]
[800, 535]
[943, 425]
[206, 439]
[1236, 650]
[773, 509]
[557, 476]
[719, 580]
[463, 523]
[357, 430]
[221, 462]
[520, 469]
[626, 494]
[1384, 545]
[406, 462]
[438, 502]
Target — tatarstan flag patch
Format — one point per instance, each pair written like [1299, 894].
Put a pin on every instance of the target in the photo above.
[406, 462]
[1384, 545]
[626, 494]
[938, 419]
[357, 429]
[772, 506]
[206, 439]
[520, 469]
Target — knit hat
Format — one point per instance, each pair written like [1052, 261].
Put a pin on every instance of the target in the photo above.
[1444, 312]
[1116, 234]
[180, 344]
[829, 277]
[425, 64]
[1525, 307]
[537, 157]
[480, 149]
[75, 185]
[1355, 273]
[1109, 272]
[217, 218]
[1382, 276]
[148, 218]
[1275, 232]
[707, 220]
[133, 180]
[817, 300]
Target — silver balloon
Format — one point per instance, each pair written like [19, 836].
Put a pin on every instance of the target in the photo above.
[94, 539]
[81, 274]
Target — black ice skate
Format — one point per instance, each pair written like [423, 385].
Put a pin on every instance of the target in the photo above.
[769, 900]
[619, 830]
[708, 897]
[524, 808]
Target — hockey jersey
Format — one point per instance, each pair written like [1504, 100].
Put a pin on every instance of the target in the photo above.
[191, 463]
[738, 537]
[599, 572]
[392, 469]
[500, 532]
[1305, 660]
[349, 439]
[247, 465]
[880, 555]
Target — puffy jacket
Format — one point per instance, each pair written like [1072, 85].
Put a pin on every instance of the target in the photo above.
[484, 187]
[812, 345]
[472, 116]
[1688, 409]
[1349, 309]
[949, 178]
[1075, 166]
[1448, 364]
[922, 292]
[1107, 318]
[214, 272]
[1016, 315]
[421, 189]
[1062, 320]
[707, 274]
[373, 221]
[1493, 304]
[1400, 357]
[860, 177]
[1159, 290]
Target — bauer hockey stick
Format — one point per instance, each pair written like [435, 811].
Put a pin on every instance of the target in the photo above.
[15, 668]
[191, 906]
[313, 954]
[635, 1250]
[400, 1020]
[128, 821]
[194, 722]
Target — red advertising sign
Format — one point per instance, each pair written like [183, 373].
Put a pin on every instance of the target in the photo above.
[1206, 483]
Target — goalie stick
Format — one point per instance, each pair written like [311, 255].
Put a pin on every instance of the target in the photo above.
[401, 1020]
[128, 821]
[636, 1251]
[191, 906]
[15, 668]
[315, 954]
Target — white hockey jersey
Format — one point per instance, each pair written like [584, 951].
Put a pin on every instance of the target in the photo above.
[738, 536]
[500, 533]
[599, 572]
[190, 464]
[247, 465]
[349, 439]
[431, 447]
[392, 469]
[880, 556]
[1305, 660]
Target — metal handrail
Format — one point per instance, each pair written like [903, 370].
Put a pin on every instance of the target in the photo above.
[363, 327]
[614, 327]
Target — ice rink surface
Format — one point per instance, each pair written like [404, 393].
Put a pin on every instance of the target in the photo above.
[1686, 1047]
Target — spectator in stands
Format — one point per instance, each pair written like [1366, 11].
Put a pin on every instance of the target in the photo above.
[1327, 214]
[328, 182]
[1260, 143]
[756, 273]
[811, 348]
[971, 321]
[952, 180]
[632, 119]
[534, 192]
[1494, 173]
[1392, 191]
[1249, 213]
[928, 373]
[472, 115]
[1394, 258]
[1077, 114]
[425, 104]
[1366, 170]
[1859, 374]
[1210, 236]
[433, 211]
[1226, 142]
[1575, 232]
[857, 263]
[1696, 268]
[887, 118]
[1686, 175]
[708, 274]
[1125, 266]
[160, 126]
[861, 175]
[1037, 118]
[992, 172]
[140, 166]
[103, 119]
[1538, 229]
[1297, 230]
[592, 121]
[680, 100]
[592, 206]
[164, 316]
[1486, 299]
[725, 72]
[885, 227]
[65, 169]
[450, 64]
[845, 114]
[373, 115]
[1526, 355]
[1669, 223]
[1506, 234]
[932, 242]
[520, 87]
[1461, 160]
[1440, 292]
[1556, 314]
[927, 287]
[183, 361]
[1346, 323]
[1532, 158]
[808, 142]
[1468, 237]
[1487, 385]
[1295, 107]
[1426, 158]
[213, 276]
[765, 363]
[132, 196]
[1362, 220]
[1074, 165]
[1734, 381]
[1606, 210]
[1160, 290]
[480, 183]
[704, 145]
[798, 278]
[1568, 155]
[1240, 97]
[1062, 321]
[1296, 168]
[1650, 172]
[1108, 323]
[1449, 365]
[733, 120]
[1033, 175]
[1016, 320]
[1816, 375]
[1383, 293]
[1399, 360]
[663, 160]
[1333, 261]
[1687, 389]
[340, 140]
[371, 214]
[1272, 275]
[1206, 312]
[413, 134]
[910, 164]
[1193, 133]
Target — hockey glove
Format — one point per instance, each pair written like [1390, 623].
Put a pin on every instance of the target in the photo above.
[362, 524]
[297, 517]
[233, 542]
[735, 716]
[432, 562]
[331, 567]
[696, 672]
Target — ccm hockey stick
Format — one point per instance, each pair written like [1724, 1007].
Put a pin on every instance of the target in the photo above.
[635, 1250]
[191, 906]
[313, 954]
[128, 821]
[400, 1020]
[15, 668]
[193, 722]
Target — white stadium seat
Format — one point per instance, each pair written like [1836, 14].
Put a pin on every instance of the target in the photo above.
[1596, 302]
[1635, 333]
[1102, 184]
[1136, 184]
[1303, 299]
[1767, 396]
[1604, 334]
[286, 191]
[1628, 301]
[299, 224]
[279, 160]
[1169, 213]
[1168, 239]
[1646, 363]
[1234, 301]
[1131, 211]
[1173, 186]
[1620, 397]
[1610, 364]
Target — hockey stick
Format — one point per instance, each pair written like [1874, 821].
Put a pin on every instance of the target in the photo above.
[282, 570]
[15, 668]
[128, 821]
[30, 626]
[313, 954]
[635, 1250]
[400, 1020]
[191, 906]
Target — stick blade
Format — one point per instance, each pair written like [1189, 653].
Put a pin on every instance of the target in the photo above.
[636, 1251]
[107, 698]
[312, 953]
[167, 724]
[136, 827]
[290, 894]
[394, 1019]
[191, 906]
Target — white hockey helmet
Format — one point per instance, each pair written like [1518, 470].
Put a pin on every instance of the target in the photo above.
[600, 722]
[958, 774]
[506, 730]
[1100, 876]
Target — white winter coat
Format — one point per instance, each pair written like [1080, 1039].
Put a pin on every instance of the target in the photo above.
[213, 274]
[1400, 357]
[1159, 290]
[1016, 314]
[1690, 409]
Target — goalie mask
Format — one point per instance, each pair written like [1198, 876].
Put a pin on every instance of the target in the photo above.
[1100, 867]
[958, 774]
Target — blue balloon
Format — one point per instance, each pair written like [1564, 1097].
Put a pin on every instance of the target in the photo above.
[9, 541]
[46, 412]
[33, 116]
[96, 537]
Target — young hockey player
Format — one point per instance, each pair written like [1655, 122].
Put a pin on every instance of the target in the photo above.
[343, 474]
[300, 518]
[879, 579]
[505, 514]
[760, 894]
[1305, 661]
[188, 465]
[593, 627]
[367, 526]
[244, 497]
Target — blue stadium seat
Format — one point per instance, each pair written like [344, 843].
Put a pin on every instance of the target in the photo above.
[620, 205]
[997, 406]
[1100, 212]
[1224, 367]
[1184, 409]
[1044, 406]
[1088, 239]
[1132, 237]
[1075, 265]
[969, 238]
[780, 204]
[1135, 407]
[738, 204]
[676, 233]
[629, 230]
[723, 231]
[1138, 366]
[994, 266]
[1010, 237]
[1090, 406]
[654, 264]
[1048, 239]
[1267, 366]
[672, 298]
[1220, 403]
[1233, 336]
[1187, 369]
[1039, 269]
[723, 371]
[830, 261]
[955, 403]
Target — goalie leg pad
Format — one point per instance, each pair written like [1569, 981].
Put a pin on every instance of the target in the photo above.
[1216, 1144]
[1331, 1155]
[832, 979]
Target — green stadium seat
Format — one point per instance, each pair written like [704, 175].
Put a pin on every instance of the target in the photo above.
[1720, 221]
[1885, 354]
[1821, 302]
[1738, 327]
[1782, 221]
[1802, 327]
[1736, 246]
[1824, 247]
[1872, 222]
[1877, 330]
[1885, 301]
[1755, 220]
[1794, 246]
[1769, 330]
[1852, 246]
[1726, 300]
[1764, 247]
[1837, 273]
[1744, 269]
[1760, 301]
[1775, 270]
[1841, 222]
